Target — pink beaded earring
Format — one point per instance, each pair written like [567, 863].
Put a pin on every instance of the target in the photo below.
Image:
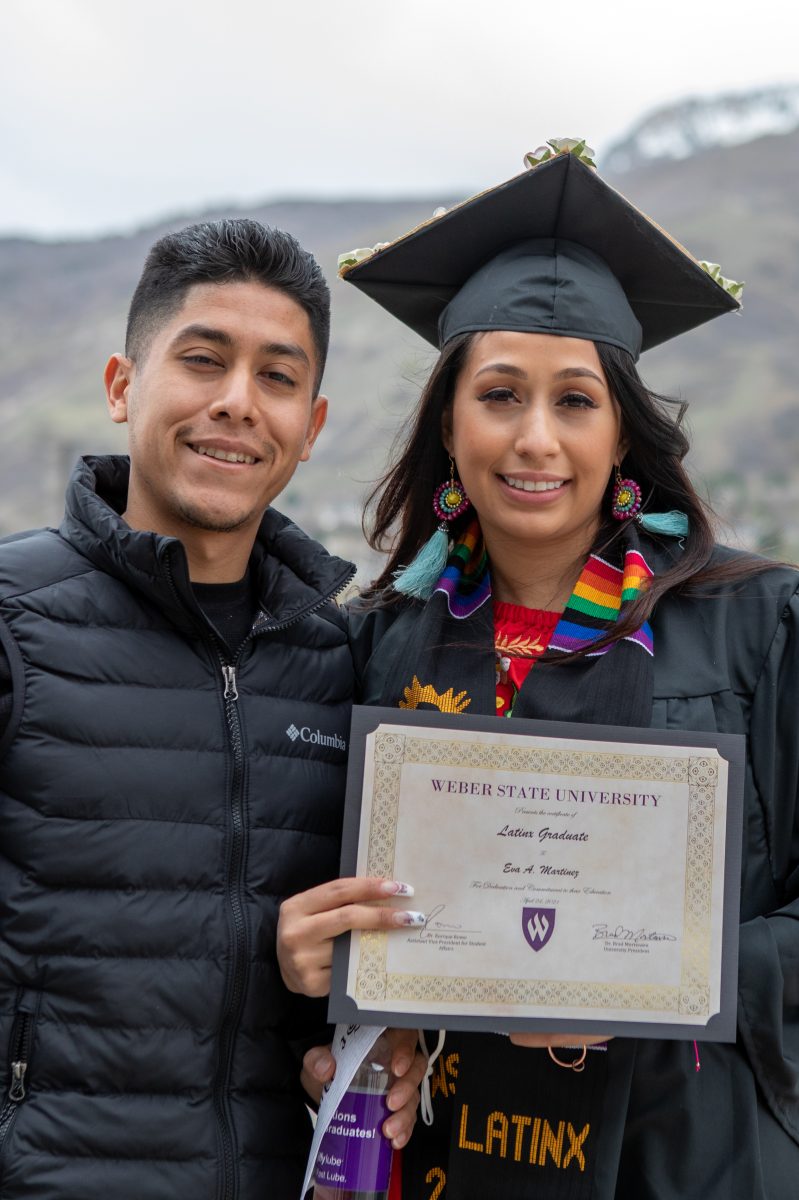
[450, 499]
[626, 498]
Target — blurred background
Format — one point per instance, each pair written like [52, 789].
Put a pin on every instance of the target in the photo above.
[348, 123]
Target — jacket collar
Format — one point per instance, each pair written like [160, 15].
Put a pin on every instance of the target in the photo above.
[293, 573]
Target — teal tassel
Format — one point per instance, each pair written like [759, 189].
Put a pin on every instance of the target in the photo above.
[421, 576]
[674, 523]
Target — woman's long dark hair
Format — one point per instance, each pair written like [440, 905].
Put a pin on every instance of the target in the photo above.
[399, 514]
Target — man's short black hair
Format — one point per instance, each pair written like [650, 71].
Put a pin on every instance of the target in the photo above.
[229, 251]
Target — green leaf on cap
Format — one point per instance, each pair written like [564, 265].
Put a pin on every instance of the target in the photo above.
[730, 286]
[556, 146]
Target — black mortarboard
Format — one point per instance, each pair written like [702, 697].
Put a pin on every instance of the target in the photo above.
[554, 250]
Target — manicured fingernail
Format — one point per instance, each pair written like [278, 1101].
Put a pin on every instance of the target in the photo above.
[408, 918]
[393, 887]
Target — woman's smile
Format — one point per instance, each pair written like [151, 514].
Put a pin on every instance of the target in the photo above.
[532, 489]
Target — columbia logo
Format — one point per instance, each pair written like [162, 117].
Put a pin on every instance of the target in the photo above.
[316, 738]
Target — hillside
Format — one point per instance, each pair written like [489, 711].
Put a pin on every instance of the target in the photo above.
[62, 311]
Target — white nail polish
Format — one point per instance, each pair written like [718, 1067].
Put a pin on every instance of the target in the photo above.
[409, 918]
[401, 889]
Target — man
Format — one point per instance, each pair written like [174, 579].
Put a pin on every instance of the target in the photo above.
[174, 706]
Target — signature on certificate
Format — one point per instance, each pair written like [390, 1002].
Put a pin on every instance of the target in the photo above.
[620, 933]
[433, 923]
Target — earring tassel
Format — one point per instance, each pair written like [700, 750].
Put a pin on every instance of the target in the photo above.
[674, 523]
[423, 573]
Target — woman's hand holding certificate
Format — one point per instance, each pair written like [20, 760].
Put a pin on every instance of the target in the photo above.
[310, 921]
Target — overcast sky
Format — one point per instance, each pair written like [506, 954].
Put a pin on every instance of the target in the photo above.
[116, 112]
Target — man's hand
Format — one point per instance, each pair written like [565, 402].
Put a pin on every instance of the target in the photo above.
[408, 1065]
[310, 921]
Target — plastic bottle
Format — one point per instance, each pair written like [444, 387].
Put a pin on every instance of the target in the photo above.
[354, 1159]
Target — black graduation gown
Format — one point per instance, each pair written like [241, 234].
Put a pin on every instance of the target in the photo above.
[727, 662]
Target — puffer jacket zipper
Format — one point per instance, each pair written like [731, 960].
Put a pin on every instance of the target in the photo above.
[240, 956]
[18, 1061]
[237, 857]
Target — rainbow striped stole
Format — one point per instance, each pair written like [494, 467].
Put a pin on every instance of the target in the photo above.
[594, 605]
[596, 602]
[466, 581]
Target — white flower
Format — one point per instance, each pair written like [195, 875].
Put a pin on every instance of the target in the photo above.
[350, 257]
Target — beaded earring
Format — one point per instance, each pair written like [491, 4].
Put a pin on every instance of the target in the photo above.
[421, 575]
[450, 499]
[627, 504]
[626, 498]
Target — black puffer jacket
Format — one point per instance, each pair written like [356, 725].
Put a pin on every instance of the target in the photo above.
[151, 820]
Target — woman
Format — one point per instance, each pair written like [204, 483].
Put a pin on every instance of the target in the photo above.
[582, 584]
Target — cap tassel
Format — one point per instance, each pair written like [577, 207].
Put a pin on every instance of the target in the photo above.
[423, 573]
[674, 523]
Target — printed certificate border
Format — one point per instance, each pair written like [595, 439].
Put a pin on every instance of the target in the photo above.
[688, 1000]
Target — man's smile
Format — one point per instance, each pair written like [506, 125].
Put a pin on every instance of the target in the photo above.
[228, 454]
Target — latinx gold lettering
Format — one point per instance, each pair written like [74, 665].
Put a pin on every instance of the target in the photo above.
[532, 1139]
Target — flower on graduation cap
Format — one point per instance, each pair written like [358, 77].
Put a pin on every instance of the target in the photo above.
[350, 257]
[730, 286]
[556, 146]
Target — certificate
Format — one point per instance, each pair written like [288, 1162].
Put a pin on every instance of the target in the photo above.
[582, 878]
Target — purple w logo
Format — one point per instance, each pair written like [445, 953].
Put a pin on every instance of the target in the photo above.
[537, 926]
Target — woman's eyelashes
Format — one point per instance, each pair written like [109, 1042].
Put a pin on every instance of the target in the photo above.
[577, 400]
[506, 395]
[502, 395]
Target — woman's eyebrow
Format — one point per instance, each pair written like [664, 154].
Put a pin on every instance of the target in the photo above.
[579, 373]
[517, 372]
[502, 369]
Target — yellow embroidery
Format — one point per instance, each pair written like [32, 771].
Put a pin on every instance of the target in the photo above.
[518, 647]
[436, 1175]
[576, 1147]
[446, 701]
[551, 1143]
[534, 1136]
[521, 1122]
[463, 1142]
[544, 1144]
[439, 1081]
[497, 1130]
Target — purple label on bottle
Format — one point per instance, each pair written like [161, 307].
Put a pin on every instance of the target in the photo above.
[354, 1155]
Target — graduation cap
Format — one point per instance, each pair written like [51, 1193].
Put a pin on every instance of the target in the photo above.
[553, 250]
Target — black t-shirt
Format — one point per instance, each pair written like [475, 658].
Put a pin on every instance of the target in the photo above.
[230, 607]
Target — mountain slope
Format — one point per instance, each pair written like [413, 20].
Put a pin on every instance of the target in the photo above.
[62, 311]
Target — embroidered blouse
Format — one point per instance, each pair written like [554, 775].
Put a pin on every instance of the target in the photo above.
[521, 635]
